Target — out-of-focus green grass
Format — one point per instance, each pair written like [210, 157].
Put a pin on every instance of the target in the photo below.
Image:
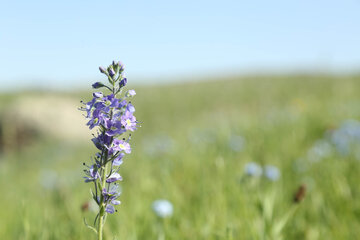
[280, 118]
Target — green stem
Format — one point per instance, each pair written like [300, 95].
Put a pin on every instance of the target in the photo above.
[102, 212]
[102, 205]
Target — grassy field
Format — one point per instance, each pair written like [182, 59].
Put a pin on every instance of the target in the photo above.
[193, 147]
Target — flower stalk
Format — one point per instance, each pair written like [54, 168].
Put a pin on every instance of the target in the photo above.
[112, 116]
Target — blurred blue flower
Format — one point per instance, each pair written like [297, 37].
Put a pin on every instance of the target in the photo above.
[49, 179]
[201, 137]
[321, 149]
[236, 143]
[163, 208]
[272, 173]
[253, 169]
[159, 145]
[347, 137]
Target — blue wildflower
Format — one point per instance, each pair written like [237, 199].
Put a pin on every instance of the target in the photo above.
[128, 120]
[92, 174]
[121, 145]
[98, 118]
[110, 198]
[101, 140]
[114, 128]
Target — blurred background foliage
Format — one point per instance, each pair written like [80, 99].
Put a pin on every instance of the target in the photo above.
[193, 149]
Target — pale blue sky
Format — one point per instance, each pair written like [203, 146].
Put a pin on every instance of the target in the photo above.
[56, 43]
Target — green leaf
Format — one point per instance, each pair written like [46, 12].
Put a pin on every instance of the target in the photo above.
[90, 227]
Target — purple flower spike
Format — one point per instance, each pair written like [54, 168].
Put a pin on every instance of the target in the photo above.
[110, 115]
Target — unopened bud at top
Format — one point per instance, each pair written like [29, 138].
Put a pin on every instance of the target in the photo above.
[116, 66]
[121, 65]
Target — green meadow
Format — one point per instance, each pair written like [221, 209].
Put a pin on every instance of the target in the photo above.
[192, 149]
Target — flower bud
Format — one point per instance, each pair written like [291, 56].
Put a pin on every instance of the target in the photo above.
[98, 85]
[97, 94]
[111, 72]
[130, 93]
[123, 82]
[114, 177]
[102, 70]
[130, 108]
[116, 66]
[121, 65]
